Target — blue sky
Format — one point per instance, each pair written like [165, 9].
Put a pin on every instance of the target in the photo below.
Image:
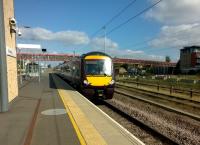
[65, 25]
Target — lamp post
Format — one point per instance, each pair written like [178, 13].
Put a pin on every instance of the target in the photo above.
[18, 27]
[21, 61]
[39, 68]
[43, 51]
[20, 65]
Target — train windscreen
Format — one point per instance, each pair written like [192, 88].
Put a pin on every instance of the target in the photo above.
[98, 67]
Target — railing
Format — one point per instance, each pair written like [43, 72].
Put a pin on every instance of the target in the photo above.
[170, 89]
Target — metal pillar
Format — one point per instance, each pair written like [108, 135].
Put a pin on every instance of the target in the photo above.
[39, 68]
[20, 62]
[104, 39]
[3, 65]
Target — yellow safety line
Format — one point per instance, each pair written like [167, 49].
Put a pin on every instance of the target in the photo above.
[86, 132]
[79, 135]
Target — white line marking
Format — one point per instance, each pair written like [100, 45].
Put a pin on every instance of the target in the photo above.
[116, 123]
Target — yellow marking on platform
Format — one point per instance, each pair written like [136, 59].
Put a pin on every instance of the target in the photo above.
[86, 132]
[79, 135]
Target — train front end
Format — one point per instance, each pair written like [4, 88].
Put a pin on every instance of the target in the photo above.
[98, 80]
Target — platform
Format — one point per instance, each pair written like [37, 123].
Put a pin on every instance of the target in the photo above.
[50, 112]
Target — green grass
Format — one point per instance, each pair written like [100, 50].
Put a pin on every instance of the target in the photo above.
[181, 82]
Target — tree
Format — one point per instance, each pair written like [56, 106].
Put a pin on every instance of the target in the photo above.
[125, 66]
[167, 59]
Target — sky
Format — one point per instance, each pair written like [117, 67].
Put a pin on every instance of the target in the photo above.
[64, 26]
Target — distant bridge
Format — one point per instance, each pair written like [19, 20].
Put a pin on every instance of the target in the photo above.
[44, 56]
[143, 62]
[67, 57]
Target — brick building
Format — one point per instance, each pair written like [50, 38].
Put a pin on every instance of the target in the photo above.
[190, 59]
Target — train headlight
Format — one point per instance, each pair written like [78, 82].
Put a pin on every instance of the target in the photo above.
[112, 82]
[86, 82]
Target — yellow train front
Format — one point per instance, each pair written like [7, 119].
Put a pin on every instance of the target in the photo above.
[97, 75]
[92, 74]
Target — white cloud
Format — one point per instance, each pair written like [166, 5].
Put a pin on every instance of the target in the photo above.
[124, 52]
[66, 37]
[133, 51]
[80, 38]
[127, 53]
[175, 11]
[54, 52]
[155, 57]
[177, 36]
[98, 43]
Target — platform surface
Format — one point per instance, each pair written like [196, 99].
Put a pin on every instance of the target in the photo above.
[24, 123]
[109, 130]
[50, 112]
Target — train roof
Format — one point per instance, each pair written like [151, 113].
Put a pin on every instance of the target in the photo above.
[95, 53]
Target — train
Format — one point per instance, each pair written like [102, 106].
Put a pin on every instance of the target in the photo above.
[92, 74]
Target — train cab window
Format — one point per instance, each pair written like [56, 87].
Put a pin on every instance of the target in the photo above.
[98, 67]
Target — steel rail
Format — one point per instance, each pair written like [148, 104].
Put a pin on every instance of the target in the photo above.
[138, 122]
[190, 103]
[193, 116]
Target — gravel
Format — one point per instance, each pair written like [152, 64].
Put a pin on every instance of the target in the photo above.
[180, 129]
[145, 136]
[190, 107]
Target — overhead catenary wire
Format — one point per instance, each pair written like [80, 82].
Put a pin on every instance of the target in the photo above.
[118, 14]
[133, 17]
[163, 48]
[150, 39]
[114, 17]
[127, 21]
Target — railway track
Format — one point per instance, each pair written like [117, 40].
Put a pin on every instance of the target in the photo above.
[151, 123]
[189, 94]
[175, 128]
[145, 132]
[181, 106]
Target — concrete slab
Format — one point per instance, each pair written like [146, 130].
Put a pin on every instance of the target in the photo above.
[24, 124]
[53, 129]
